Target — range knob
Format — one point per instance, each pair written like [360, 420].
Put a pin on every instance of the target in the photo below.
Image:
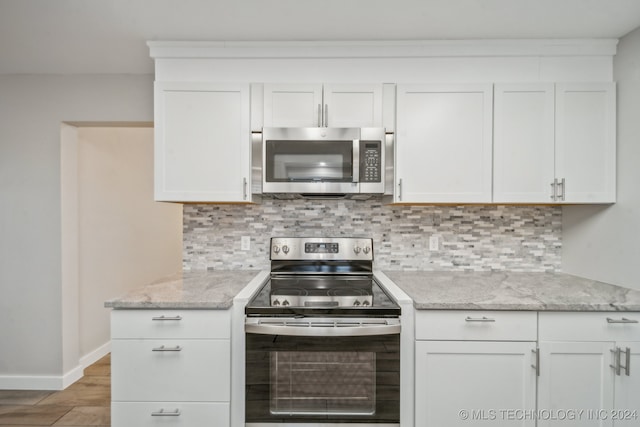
[276, 249]
[357, 249]
[365, 303]
[285, 302]
[285, 249]
[275, 302]
[356, 303]
[366, 250]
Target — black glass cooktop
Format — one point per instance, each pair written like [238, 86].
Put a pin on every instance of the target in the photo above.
[317, 296]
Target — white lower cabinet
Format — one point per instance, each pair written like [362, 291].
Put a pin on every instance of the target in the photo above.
[589, 369]
[487, 376]
[151, 414]
[170, 368]
[466, 383]
[574, 377]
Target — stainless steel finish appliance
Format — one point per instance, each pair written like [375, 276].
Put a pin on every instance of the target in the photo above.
[325, 161]
[322, 339]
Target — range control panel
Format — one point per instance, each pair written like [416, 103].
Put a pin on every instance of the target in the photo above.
[321, 248]
[370, 161]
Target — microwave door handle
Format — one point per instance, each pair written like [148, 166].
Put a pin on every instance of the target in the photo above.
[356, 161]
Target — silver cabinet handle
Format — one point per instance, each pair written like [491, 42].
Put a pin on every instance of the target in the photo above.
[326, 115]
[554, 184]
[322, 327]
[244, 188]
[627, 361]
[623, 320]
[319, 115]
[561, 184]
[479, 319]
[163, 348]
[536, 364]
[163, 317]
[616, 360]
[400, 189]
[162, 413]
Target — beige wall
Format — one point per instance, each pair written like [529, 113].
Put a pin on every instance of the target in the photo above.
[602, 242]
[34, 350]
[125, 239]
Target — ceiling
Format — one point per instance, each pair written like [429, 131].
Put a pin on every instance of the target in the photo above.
[109, 36]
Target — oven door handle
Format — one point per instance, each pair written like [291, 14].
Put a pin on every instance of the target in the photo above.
[321, 328]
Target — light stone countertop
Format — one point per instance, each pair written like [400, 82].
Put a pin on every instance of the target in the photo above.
[512, 291]
[188, 290]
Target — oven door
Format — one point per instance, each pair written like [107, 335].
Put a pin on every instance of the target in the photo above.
[322, 371]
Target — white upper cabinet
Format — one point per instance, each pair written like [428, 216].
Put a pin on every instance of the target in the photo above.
[353, 105]
[202, 142]
[295, 105]
[523, 144]
[444, 143]
[586, 142]
[315, 105]
[554, 143]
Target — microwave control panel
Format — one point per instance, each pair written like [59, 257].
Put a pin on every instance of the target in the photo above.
[370, 161]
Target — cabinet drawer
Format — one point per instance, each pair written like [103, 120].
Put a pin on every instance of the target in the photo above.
[140, 414]
[170, 324]
[601, 326]
[187, 370]
[476, 325]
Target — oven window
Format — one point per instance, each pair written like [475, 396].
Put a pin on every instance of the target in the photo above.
[334, 382]
[309, 161]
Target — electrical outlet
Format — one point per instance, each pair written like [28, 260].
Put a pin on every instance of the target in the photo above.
[245, 243]
[434, 243]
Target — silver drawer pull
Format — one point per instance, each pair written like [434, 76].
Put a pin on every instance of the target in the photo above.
[479, 319]
[162, 413]
[623, 320]
[163, 317]
[163, 348]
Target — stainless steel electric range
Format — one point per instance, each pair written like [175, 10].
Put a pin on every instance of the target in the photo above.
[322, 339]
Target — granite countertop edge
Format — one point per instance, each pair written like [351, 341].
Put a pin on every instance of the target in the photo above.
[513, 291]
[188, 290]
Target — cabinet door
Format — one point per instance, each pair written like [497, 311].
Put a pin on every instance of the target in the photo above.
[443, 144]
[576, 376]
[523, 144]
[627, 389]
[292, 105]
[481, 378]
[202, 142]
[171, 370]
[354, 105]
[586, 141]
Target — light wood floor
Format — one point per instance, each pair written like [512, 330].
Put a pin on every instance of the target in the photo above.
[85, 403]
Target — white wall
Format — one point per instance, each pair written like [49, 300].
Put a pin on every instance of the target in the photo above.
[31, 111]
[603, 243]
[125, 238]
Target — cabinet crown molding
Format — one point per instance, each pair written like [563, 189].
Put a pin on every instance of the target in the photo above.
[381, 49]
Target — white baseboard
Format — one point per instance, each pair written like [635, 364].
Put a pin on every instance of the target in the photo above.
[71, 377]
[53, 382]
[30, 382]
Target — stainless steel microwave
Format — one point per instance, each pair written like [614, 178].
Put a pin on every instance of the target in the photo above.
[324, 161]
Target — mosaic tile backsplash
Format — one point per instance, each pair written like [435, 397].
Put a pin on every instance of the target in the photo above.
[471, 238]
